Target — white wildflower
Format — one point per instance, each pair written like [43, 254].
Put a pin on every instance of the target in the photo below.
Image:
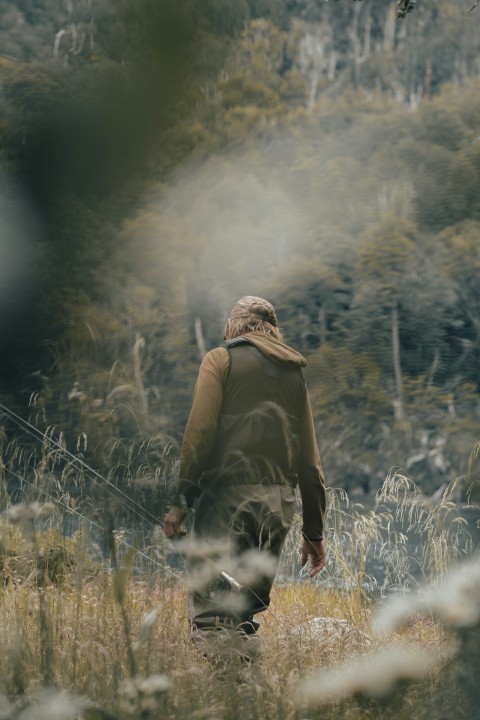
[23, 512]
[397, 612]
[211, 580]
[203, 574]
[254, 565]
[144, 696]
[456, 602]
[128, 697]
[374, 675]
[52, 704]
[196, 549]
[152, 693]
[154, 685]
[231, 602]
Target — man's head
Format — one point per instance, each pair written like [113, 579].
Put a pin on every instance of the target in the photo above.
[252, 314]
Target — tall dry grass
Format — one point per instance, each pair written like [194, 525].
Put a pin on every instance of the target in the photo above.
[93, 609]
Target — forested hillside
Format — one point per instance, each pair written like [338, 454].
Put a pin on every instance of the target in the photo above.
[159, 160]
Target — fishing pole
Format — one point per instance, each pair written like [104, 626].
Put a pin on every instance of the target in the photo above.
[130, 503]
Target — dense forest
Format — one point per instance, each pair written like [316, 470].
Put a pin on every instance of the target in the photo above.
[160, 160]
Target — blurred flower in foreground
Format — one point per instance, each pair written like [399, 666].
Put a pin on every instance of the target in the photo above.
[144, 697]
[252, 565]
[49, 704]
[26, 515]
[455, 603]
[374, 675]
[197, 549]
[23, 512]
[6, 708]
[226, 578]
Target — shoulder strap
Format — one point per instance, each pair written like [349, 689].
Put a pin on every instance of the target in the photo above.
[228, 344]
[235, 341]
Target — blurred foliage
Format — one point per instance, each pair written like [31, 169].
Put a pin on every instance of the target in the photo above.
[161, 159]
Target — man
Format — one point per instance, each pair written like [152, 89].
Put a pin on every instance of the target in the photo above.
[248, 442]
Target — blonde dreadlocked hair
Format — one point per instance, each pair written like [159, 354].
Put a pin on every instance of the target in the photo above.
[252, 314]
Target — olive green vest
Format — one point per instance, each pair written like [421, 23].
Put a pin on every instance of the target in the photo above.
[257, 432]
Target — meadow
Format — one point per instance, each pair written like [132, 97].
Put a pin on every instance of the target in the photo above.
[93, 622]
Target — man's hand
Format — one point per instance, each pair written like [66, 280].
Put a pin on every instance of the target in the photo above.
[172, 521]
[315, 551]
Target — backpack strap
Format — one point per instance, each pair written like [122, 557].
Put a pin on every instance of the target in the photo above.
[235, 341]
[228, 344]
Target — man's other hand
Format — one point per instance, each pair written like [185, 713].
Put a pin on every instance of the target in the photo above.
[315, 551]
[172, 521]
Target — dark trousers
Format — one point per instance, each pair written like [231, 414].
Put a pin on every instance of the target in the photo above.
[240, 530]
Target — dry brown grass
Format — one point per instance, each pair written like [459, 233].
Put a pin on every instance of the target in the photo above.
[116, 635]
[89, 655]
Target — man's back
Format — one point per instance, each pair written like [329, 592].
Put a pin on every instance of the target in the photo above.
[257, 437]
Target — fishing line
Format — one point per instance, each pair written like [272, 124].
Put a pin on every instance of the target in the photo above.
[131, 504]
[39, 434]
[141, 511]
[81, 516]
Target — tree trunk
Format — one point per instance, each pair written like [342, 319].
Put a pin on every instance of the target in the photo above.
[397, 368]
[137, 371]
[389, 28]
[359, 54]
[322, 320]
[201, 346]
